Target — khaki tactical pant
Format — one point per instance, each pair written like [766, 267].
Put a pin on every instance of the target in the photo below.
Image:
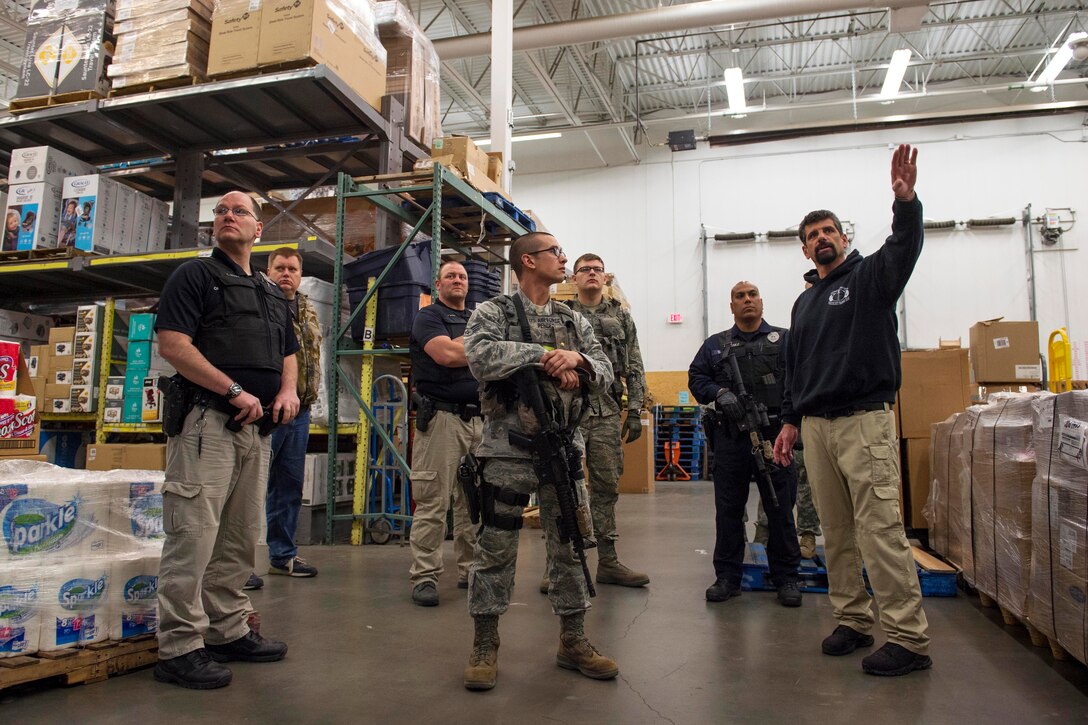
[213, 501]
[435, 456]
[853, 467]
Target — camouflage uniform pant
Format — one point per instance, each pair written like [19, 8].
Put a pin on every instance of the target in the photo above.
[808, 521]
[492, 572]
[604, 459]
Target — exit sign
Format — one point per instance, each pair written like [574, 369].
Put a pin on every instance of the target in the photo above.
[674, 318]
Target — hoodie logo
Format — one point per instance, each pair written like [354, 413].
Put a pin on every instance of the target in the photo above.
[839, 297]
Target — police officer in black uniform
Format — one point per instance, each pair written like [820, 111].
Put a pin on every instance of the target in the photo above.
[757, 347]
[448, 425]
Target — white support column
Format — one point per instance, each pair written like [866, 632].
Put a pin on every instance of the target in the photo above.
[502, 82]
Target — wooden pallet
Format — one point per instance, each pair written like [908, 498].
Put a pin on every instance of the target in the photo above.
[157, 85]
[265, 69]
[24, 105]
[42, 255]
[93, 663]
[1012, 619]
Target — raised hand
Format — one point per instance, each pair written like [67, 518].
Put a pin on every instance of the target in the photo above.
[904, 172]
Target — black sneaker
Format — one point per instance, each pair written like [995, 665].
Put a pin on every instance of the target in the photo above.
[893, 660]
[250, 648]
[254, 582]
[297, 567]
[845, 640]
[425, 595]
[194, 670]
[721, 590]
[789, 594]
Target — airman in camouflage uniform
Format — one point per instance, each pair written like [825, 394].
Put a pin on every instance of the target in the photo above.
[562, 344]
[602, 428]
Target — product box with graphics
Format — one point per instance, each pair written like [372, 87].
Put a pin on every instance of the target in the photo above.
[87, 213]
[34, 210]
[36, 164]
[236, 32]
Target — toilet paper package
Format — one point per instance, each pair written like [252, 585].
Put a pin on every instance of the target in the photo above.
[42, 520]
[20, 609]
[133, 596]
[135, 515]
[75, 604]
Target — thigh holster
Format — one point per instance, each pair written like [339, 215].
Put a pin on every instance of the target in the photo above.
[489, 494]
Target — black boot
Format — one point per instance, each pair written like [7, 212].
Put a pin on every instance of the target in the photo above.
[194, 670]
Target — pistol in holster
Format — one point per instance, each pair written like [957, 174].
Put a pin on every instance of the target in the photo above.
[425, 411]
[468, 473]
[265, 424]
[178, 398]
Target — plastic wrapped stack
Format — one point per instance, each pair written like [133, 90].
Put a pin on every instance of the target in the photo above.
[67, 48]
[79, 558]
[1059, 576]
[1002, 470]
[160, 40]
[412, 70]
[946, 502]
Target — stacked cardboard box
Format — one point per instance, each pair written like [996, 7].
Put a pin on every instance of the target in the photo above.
[67, 48]
[462, 155]
[1059, 572]
[86, 357]
[141, 456]
[250, 34]
[1005, 355]
[936, 384]
[58, 369]
[944, 492]
[141, 333]
[35, 181]
[360, 220]
[101, 215]
[159, 40]
[28, 330]
[413, 68]
[1002, 470]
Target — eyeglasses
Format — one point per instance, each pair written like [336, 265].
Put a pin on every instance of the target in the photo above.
[556, 250]
[587, 269]
[240, 212]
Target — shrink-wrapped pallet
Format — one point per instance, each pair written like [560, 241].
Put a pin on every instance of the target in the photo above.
[412, 70]
[160, 40]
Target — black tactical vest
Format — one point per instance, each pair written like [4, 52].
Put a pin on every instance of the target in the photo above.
[437, 381]
[247, 328]
[758, 362]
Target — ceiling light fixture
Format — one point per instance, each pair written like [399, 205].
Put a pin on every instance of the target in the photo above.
[734, 90]
[897, 69]
[1057, 64]
[515, 139]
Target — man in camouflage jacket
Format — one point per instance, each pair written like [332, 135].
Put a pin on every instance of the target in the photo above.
[562, 346]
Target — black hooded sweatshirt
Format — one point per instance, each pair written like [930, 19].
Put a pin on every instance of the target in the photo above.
[843, 346]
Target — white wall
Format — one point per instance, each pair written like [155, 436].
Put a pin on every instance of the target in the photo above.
[645, 221]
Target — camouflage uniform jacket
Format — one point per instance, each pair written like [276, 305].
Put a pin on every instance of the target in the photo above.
[615, 330]
[495, 350]
[308, 357]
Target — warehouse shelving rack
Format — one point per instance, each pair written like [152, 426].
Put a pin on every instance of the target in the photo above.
[293, 129]
[478, 229]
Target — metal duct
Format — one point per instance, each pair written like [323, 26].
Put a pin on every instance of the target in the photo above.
[658, 20]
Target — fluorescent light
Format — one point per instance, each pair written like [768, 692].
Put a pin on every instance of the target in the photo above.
[896, 70]
[515, 139]
[1061, 59]
[734, 89]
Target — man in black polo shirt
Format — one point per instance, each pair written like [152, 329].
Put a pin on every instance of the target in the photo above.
[448, 425]
[225, 327]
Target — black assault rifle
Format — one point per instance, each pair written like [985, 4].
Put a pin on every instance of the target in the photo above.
[557, 462]
[755, 419]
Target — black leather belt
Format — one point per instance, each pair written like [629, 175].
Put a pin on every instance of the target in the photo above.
[850, 410]
[465, 410]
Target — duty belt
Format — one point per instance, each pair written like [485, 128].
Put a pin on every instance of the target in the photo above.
[856, 408]
[465, 410]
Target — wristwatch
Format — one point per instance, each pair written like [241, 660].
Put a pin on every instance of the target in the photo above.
[234, 391]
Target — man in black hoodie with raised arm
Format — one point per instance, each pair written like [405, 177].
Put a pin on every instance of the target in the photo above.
[842, 374]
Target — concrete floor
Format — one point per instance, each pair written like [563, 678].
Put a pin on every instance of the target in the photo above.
[360, 651]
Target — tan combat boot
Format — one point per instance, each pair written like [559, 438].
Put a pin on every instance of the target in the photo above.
[483, 664]
[611, 571]
[808, 545]
[576, 653]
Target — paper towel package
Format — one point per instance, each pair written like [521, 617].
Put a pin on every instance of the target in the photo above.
[133, 598]
[135, 515]
[75, 605]
[44, 520]
[20, 610]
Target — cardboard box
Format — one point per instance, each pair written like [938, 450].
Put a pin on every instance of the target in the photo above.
[160, 226]
[638, 461]
[134, 456]
[936, 384]
[84, 399]
[132, 407]
[151, 405]
[1005, 351]
[84, 55]
[37, 207]
[61, 377]
[134, 379]
[916, 482]
[44, 164]
[23, 326]
[40, 59]
[62, 334]
[113, 412]
[89, 317]
[495, 166]
[235, 38]
[59, 405]
[323, 31]
[462, 155]
[141, 327]
[115, 388]
[87, 213]
[139, 354]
